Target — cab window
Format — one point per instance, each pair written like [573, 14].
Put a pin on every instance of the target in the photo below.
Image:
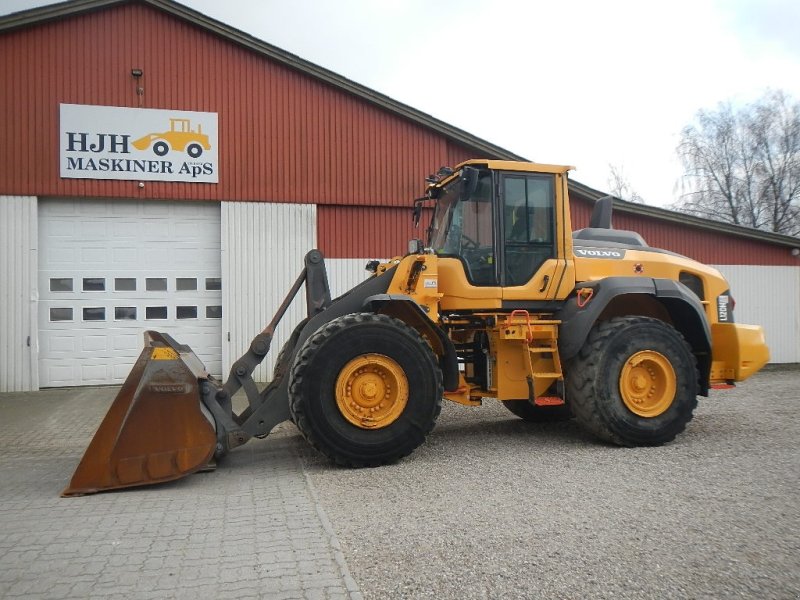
[528, 211]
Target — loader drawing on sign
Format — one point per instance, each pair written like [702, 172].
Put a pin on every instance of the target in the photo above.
[180, 137]
[501, 300]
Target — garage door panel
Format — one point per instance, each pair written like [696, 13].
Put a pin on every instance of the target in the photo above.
[93, 230]
[155, 231]
[125, 256]
[126, 343]
[60, 228]
[164, 210]
[59, 344]
[94, 257]
[97, 333]
[91, 208]
[57, 208]
[94, 343]
[125, 229]
[57, 374]
[126, 209]
[63, 256]
[183, 256]
[94, 374]
[188, 230]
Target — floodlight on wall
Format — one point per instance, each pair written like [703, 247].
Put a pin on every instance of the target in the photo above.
[795, 252]
[137, 75]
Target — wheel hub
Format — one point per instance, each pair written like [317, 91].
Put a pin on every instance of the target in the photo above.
[647, 383]
[371, 391]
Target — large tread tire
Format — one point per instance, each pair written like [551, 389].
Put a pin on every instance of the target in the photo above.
[312, 389]
[593, 381]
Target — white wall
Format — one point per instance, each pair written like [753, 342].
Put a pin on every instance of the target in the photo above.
[770, 297]
[263, 245]
[345, 273]
[18, 294]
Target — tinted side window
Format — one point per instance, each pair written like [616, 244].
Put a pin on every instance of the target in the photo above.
[529, 227]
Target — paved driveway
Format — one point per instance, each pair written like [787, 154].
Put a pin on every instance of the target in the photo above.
[489, 507]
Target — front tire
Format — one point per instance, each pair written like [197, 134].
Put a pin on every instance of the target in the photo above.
[365, 390]
[634, 382]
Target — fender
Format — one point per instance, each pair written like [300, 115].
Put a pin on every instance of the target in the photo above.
[406, 309]
[682, 304]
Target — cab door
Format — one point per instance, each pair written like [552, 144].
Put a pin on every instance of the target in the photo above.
[531, 264]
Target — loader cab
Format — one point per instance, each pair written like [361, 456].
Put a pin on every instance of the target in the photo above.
[499, 223]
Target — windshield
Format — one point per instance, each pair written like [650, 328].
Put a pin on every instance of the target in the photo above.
[443, 213]
[463, 227]
[457, 221]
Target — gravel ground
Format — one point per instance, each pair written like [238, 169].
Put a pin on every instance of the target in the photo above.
[493, 507]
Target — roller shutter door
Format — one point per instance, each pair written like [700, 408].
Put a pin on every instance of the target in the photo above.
[111, 269]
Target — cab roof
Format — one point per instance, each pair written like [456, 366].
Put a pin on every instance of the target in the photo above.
[513, 165]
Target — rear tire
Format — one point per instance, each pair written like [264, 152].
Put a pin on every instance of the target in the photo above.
[634, 382]
[383, 358]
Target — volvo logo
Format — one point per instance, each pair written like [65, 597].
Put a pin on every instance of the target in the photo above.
[599, 253]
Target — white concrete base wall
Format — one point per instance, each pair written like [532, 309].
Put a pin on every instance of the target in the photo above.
[18, 294]
[769, 296]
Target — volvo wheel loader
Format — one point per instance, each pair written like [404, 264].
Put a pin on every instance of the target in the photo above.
[502, 300]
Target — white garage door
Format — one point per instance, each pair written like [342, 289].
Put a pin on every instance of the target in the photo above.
[111, 269]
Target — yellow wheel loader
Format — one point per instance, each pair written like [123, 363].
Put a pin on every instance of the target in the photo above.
[502, 300]
[180, 137]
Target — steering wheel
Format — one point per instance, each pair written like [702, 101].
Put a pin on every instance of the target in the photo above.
[467, 243]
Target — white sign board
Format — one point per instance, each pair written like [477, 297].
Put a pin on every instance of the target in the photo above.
[140, 144]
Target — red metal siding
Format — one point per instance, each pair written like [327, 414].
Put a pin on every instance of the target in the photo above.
[364, 232]
[704, 245]
[361, 232]
[284, 136]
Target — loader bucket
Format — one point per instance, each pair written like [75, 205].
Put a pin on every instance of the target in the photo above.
[156, 429]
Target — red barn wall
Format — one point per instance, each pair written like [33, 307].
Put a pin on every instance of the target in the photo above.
[284, 136]
[703, 245]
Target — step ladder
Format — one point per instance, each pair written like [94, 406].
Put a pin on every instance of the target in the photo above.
[541, 339]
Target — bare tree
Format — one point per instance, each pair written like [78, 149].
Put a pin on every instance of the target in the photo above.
[743, 166]
[620, 186]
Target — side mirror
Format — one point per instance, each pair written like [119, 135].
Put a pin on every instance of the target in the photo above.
[469, 182]
[417, 211]
[415, 246]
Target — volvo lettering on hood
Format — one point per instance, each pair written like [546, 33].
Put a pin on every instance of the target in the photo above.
[612, 253]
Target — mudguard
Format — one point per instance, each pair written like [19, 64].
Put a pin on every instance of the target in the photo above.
[687, 313]
[416, 317]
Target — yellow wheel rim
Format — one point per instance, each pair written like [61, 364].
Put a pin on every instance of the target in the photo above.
[647, 384]
[371, 391]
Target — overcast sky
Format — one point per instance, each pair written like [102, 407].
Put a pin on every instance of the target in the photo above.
[578, 82]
